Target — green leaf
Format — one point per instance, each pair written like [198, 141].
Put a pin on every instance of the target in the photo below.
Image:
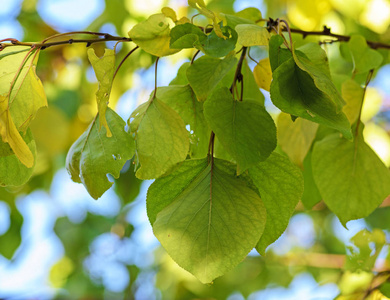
[353, 94]
[312, 59]
[351, 178]
[153, 35]
[161, 138]
[12, 171]
[246, 16]
[182, 99]
[244, 128]
[280, 184]
[295, 138]
[277, 55]
[209, 219]
[27, 95]
[94, 155]
[104, 69]
[311, 195]
[252, 35]
[363, 57]
[362, 256]
[294, 91]
[216, 46]
[385, 289]
[206, 72]
[186, 35]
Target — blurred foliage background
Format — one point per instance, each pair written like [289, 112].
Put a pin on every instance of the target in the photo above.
[57, 242]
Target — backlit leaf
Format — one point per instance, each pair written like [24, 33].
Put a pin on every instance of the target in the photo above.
[352, 180]
[263, 74]
[208, 219]
[280, 184]
[244, 128]
[94, 155]
[252, 35]
[352, 93]
[153, 35]
[246, 16]
[104, 68]
[161, 138]
[217, 46]
[206, 72]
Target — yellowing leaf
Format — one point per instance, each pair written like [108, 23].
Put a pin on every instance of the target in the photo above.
[252, 35]
[27, 94]
[153, 35]
[11, 135]
[263, 74]
[352, 93]
[169, 13]
[104, 69]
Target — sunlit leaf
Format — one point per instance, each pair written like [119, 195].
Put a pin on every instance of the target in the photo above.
[209, 220]
[104, 68]
[94, 155]
[161, 138]
[351, 178]
[252, 35]
[244, 128]
[352, 93]
[248, 15]
[153, 35]
[263, 74]
[280, 184]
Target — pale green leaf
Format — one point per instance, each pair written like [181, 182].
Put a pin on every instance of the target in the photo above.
[294, 91]
[244, 128]
[182, 99]
[94, 155]
[206, 72]
[249, 15]
[351, 178]
[181, 77]
[252, 35]
[12, 171]
[209, 219]
[280, 184]
[161, 138]
[27, 94]
[311, 195]
[169, 13]
[153, 35]
[104, 68]
[295, 138]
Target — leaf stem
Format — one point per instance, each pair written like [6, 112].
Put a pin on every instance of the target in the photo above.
[155, 78]
[123, 60]
[368, 79]
[238, 74]
[193, 58]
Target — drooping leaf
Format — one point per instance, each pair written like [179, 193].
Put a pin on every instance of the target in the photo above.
[206, 72]
[208, 219]
[363, 258]
[216, 46]
[295, 138]
[12, 171]
[27, 95]
[182, 99]
[244, 128]
[363, 57]
[352, 93]
[11, 135]
[181, 77]
[161, 138]
[312, 59]
[351, 178]
[252, 35]
[186, 35]
[280, 184]
[94, 155]
[153, 35]
[169, 13]
[263, 74]
[104, 69]
[294, 91]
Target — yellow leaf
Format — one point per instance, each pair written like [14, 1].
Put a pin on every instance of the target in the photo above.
[263, 74]
[11, 135]
[169, 13]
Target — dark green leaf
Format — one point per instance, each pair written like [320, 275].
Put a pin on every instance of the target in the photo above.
[185, 35]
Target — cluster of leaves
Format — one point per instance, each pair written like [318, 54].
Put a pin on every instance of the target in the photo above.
[225, 181]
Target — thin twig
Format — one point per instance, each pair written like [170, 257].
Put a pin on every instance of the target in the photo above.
[193, 58]
[238, 74]
[123, 60]
[255, 61]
